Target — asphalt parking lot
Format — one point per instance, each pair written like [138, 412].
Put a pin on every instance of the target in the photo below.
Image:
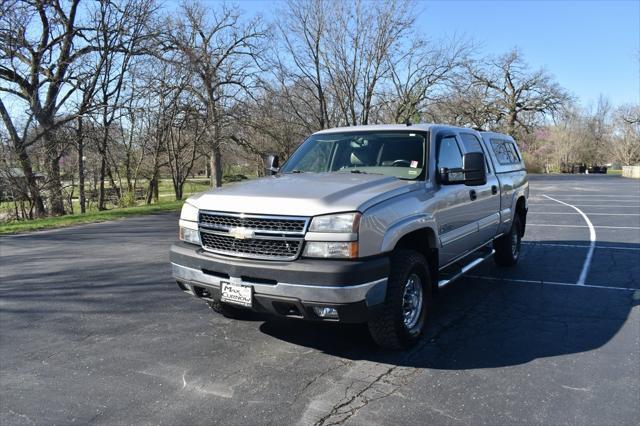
[94, 330]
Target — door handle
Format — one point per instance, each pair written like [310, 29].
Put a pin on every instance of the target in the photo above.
[494, 189]
[473, 195]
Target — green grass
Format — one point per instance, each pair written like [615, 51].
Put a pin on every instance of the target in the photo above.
[14, 227]
[614, 172]
[166, 203]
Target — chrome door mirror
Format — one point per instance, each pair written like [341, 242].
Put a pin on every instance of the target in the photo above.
[272, 164]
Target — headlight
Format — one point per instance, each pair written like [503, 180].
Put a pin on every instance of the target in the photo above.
[334, 249]
[343, 222]
[189, 235]
[189, 212]
[189, 224]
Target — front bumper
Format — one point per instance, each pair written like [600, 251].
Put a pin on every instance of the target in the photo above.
[354, 288]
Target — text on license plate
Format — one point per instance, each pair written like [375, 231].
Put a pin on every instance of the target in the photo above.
[236, 293]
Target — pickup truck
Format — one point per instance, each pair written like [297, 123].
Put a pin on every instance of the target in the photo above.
[360, 225]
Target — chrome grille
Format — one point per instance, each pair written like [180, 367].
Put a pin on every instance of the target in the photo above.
[225, 222]
[255, 247]
[260, 237]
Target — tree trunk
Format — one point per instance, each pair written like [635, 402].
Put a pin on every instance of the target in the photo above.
[178, 190]
[103, 172]
[128, 171]
[81, 196]
[152, 184]
[216, 167]
[54, 183]
[34, 190]
[112, 181]
[55, 186]
[511, 123]
[103, 169]
[25, 163]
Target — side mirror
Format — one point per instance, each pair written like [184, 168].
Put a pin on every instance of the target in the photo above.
[272, 164]
[475, 172]
[472, 173]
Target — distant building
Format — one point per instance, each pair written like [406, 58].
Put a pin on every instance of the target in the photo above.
[13, 184]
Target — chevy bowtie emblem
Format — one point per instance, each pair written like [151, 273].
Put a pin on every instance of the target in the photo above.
[241, 233]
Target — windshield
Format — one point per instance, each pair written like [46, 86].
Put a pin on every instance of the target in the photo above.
[398, 154]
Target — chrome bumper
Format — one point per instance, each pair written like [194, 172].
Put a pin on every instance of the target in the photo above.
[372, 293]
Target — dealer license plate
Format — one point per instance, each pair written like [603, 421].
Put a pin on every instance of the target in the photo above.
[237, 294]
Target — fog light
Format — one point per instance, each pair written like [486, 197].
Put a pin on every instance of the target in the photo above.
[325, 312]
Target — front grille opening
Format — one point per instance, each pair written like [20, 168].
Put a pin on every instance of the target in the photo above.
[183, 286]
[215, 273]
[274, 224]
[287, 309]
[252, 236]
[202, 292]
[280, 249]
[255, 280]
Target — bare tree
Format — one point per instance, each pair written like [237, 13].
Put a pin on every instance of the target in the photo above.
[422, 77]
[36, 70]
[122, 35]
[364, 36]
[49, 73]
[300, 68]
[521, 97]
[626, 135]
[220, 52]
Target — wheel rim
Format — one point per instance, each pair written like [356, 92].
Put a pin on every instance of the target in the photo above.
[515, 244]
[412, 301]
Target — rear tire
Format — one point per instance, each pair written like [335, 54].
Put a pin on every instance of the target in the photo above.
[507, 247]
[407, 303]
[229, 311]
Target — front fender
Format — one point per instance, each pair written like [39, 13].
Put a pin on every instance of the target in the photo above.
[407, 225]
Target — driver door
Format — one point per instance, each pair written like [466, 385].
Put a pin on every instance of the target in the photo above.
[455, 215]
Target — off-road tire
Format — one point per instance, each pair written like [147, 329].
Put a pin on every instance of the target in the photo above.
[505, 255]
[388, 329]
[229, 311]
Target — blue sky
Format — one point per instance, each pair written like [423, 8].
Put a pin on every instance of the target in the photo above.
[591, 47]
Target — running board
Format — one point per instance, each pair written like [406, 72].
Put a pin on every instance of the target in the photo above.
[465, 269]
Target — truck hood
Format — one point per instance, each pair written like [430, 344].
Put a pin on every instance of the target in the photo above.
[303, 194]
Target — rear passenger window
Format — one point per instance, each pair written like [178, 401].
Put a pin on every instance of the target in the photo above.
[505, 151]
[471, 143]
[449, 155]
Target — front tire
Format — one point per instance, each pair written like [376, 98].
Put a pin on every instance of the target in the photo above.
[407, 303]
[507, 247]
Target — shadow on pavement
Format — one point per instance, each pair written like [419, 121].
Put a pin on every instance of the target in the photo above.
[486, 323]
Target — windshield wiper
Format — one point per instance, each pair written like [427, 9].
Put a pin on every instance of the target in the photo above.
[357, 171]
[295, 171]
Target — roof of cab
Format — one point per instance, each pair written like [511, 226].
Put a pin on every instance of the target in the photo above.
[388, 127]
[496, 134]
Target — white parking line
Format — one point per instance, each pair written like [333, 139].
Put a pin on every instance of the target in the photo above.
[595, 195]
[637, 206]
[592, 239]
[583, 226]
[613, 201]
[542, 282]
[590, 214]
[573, 194]
[599, 247]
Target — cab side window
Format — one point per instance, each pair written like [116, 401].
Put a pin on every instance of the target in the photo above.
[449, 155]
[471, 143]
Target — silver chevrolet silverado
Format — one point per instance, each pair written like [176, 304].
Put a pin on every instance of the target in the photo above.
[360, 225]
